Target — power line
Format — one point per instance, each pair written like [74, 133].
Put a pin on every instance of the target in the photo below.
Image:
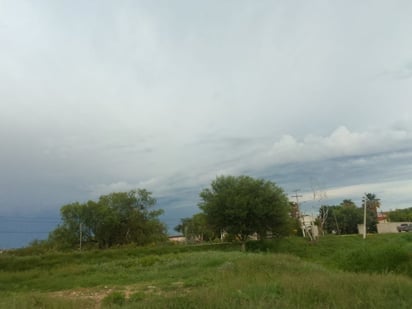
[297, 196]
[29, 217]
[23, 232]
[28, 221]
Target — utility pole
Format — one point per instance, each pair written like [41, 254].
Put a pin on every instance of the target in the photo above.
[297, 199]
[300, 217]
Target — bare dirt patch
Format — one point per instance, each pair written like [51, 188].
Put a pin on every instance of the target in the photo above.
[95, 296]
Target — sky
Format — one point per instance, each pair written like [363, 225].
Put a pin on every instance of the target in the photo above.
[108, 96]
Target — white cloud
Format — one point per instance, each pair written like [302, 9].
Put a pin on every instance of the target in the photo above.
[340, 143]
[394, 194]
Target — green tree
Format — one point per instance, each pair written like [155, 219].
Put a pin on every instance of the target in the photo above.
[115, 219]
[196, 228]
[400, 215]
[242, 206]
[348, 203]
[349, 217]
[343, 218]
[372, 202]
[68, 233]
[132, 221]
[331, 215]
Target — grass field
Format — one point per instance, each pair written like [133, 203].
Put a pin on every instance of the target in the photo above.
[335, 272]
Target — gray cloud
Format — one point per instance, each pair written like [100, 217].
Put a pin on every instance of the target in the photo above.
[103, 96]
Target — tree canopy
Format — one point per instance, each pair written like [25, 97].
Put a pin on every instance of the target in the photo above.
[242, 206]
[196, 228]
[345, 217]
[115, 219]
[342, 219]
[400, 215]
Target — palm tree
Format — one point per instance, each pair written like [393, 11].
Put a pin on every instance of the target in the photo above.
[372, 204]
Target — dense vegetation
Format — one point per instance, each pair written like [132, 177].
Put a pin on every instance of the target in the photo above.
[115, 219]
[236, 206]
[239, 207]
[345, 217]
[335, 272]
[242, 206]
[401, 215]
[232, 207]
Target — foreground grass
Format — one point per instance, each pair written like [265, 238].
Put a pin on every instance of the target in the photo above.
[390, 253]
[309, 276]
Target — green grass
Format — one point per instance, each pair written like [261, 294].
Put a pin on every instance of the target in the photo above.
[335, 272]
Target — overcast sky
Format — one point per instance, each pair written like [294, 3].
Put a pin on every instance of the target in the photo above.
[103, 96]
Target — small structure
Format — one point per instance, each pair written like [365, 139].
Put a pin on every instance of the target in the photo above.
[382, 217]
[177, 239]
[308, 226]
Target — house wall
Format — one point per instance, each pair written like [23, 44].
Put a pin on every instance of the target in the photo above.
[388, 227]
[177, 239]
[360, 229]
[383, 227]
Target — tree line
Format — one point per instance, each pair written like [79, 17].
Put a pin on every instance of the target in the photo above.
[401, 215]
[264, 210]
[345, 217]
[233, 208]
[236, 206]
